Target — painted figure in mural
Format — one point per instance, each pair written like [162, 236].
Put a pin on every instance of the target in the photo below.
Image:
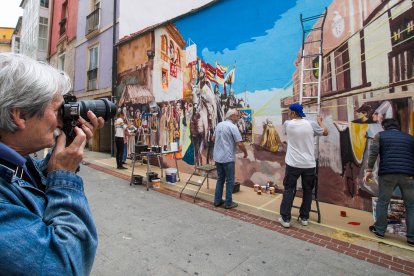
[199, 125]
[131, 131]
[163, 126]
[46, 223]
[226, 138]
[270, 138]
[130, 113]
[300, 162]
[204, 118]
[120, 127]
[396, 151]
[220, 111]
[355, 140]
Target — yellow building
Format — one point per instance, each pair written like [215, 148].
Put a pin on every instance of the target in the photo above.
[5, 39]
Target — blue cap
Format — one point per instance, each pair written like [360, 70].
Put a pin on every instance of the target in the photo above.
[298, 109]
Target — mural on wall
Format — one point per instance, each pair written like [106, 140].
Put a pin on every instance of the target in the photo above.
[197, 67]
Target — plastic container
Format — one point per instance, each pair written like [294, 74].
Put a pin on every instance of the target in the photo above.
[137, 179]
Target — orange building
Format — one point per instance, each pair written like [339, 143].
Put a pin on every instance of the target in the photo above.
[5, 39]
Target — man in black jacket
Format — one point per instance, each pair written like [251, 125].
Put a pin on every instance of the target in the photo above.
[396, 168]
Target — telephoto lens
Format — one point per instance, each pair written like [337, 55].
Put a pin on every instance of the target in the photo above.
[101, 108]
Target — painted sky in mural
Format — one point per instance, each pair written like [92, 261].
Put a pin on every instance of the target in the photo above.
[262, 39]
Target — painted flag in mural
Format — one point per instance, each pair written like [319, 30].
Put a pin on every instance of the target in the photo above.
[191, 53]
[230, 76]
[220, 71]
[210, 72]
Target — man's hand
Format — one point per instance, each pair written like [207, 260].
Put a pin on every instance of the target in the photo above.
[89, 127]
[367, 177]
[319, 119]
[322, 125]
[68, 158]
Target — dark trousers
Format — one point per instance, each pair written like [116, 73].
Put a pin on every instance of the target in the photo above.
[289, 182]
[119, 143]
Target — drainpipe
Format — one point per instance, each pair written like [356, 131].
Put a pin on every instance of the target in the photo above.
[114, 74]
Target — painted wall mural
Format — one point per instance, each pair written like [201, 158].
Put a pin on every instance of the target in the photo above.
[197, 67]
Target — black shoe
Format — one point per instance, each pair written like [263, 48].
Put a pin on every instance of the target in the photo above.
[375, 232]
[219, 204]
[233, 205]
[410, 243]
[122, 168]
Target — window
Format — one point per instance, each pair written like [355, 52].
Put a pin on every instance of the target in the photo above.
[164, 43]
[61, 62]
[97, 4]
[63, 18]
[92, 73]
[343, 76]
[44, 3]
[42, 41]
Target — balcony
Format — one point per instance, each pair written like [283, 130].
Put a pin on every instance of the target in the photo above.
[92, 22]
[92, 79]
[62, 28]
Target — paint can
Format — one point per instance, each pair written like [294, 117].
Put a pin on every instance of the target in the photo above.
[156, 183]
[256, 187]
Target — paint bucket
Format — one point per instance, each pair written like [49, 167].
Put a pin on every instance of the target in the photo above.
[156, 183]
[256, 187]
[272, 190]
[174, 146]
[171, 175]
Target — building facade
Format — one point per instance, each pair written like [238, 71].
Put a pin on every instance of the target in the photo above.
[93, 57]
[63, 27]
[15, 43]
[35, 29]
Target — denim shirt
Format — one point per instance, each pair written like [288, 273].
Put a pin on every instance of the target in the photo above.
[45, 233]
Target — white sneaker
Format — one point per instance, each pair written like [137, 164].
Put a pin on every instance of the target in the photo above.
[304, 222]
[285, 224]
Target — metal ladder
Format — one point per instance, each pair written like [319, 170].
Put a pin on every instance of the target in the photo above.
[307, 95]
[207, 169]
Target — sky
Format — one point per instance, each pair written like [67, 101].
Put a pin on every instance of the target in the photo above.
[261, 39]
[9, 12]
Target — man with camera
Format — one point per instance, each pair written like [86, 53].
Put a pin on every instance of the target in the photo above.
[46, 224]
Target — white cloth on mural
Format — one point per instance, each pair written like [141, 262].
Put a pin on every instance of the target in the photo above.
[301, 144]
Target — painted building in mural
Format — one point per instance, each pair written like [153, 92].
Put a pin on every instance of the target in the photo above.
[93, 58]
[64, 15]
[197, 67]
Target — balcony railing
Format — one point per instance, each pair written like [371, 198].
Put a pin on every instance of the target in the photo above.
[92, 79]
[92, 21]
[62, 29]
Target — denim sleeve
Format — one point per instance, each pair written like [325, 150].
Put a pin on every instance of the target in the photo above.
[373, 152]
[63, 240]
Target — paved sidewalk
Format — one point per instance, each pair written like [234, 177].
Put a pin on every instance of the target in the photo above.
[150, 233]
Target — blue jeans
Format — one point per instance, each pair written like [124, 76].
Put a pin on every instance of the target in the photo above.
[289, 182]
[387, 184]
[225, 172]
[124, 153]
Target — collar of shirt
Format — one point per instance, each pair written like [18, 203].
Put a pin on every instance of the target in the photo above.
[9, 154]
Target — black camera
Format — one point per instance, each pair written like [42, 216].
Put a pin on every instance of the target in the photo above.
[72, 110]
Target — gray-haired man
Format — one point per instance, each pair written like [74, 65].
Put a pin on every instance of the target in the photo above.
[226, 137]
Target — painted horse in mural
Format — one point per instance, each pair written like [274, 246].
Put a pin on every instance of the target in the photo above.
[203, 120]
